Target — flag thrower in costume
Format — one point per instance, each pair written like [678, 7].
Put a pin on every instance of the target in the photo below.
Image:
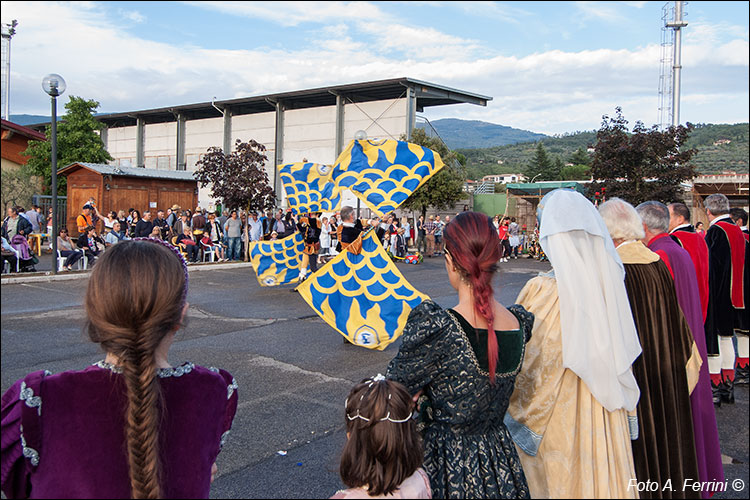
[363, 296]
[277, 262]
[382, 173]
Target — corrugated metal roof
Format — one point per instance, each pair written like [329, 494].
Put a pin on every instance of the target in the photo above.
[179, 175]
[427, 94]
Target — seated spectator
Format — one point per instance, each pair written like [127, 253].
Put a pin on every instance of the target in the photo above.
[10, 255]
[144, 226]
[116, 235]
[15, 224]
[91, 244]
[186, 241]
[66, 249]
[26, 256]
[215, 235]
[207, 245]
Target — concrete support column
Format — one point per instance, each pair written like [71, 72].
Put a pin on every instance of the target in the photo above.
[411, 111]
[104, 136]
[181, 163]
[339, 124]
[278, 150]
[227, 130]
[140, 158]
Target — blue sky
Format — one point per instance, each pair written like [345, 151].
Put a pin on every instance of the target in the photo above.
[551, 67]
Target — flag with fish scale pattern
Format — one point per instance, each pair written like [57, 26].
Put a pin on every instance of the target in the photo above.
[364, 297]
[382, 173]
[277, 262]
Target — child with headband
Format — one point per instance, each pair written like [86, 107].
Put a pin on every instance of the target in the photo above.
[382, 457]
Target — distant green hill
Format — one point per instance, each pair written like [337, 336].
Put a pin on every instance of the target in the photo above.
[26, 120]
[714, 153]
[477, 134]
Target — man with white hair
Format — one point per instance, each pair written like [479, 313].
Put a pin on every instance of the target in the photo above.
[655, 217]
[726, 295]
[669, 367]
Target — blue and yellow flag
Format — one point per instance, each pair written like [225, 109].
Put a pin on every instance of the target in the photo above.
[364, 297]
[277, 262]
[309, 187]
[384, 173]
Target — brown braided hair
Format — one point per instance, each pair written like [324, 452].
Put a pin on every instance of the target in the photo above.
[133, 301]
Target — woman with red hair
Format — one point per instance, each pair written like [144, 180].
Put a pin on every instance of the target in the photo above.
[461, 364]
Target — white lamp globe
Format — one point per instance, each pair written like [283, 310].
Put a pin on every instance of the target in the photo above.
[53, 84]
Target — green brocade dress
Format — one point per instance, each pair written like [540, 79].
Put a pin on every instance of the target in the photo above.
[469, 452]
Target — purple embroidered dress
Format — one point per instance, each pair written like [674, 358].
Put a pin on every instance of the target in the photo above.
[63, 435]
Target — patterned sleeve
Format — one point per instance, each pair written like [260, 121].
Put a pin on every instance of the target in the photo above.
[425, 342]
[231, 408]
[20, 431]
[525, 319]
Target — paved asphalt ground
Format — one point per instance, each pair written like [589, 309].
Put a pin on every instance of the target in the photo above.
[293, 370]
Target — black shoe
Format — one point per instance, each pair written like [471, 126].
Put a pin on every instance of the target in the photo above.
[726, 391]
[715, 394]
[741, 375]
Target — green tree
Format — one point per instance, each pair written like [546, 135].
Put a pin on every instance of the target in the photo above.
[445, 188]
[645, 164]
[540, 165]
[555, 171]
[575, 173]
[17, 186]
[580, 157]
[239, 179]
[77, 141]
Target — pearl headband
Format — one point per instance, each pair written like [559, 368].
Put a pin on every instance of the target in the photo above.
[377, 378]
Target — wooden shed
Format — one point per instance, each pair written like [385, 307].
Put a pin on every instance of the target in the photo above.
[120, 188]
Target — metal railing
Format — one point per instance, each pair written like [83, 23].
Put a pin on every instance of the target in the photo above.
[45, 201]
[485, 188]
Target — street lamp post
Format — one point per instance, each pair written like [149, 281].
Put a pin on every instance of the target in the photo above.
[54, 85]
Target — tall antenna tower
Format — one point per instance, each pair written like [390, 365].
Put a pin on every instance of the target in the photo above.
[671, 64]
[8, 30]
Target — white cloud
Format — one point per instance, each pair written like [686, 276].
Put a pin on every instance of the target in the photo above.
[294, 13]
[132, 15]
[551, 92]
[494, 10]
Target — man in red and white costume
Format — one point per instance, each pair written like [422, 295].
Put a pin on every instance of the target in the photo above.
[726, 301]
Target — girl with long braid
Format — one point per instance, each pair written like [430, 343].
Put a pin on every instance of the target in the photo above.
[132, 425]
[460, 366]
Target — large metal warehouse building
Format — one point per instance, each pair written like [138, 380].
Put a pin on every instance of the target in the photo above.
[313, 125]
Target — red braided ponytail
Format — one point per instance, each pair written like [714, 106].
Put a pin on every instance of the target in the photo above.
[474, 245]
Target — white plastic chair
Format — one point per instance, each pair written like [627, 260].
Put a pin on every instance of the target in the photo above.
[82, 263]
[6, 264]
[208, 251]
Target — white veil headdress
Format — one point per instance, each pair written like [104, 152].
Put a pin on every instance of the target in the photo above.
[599, 339]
